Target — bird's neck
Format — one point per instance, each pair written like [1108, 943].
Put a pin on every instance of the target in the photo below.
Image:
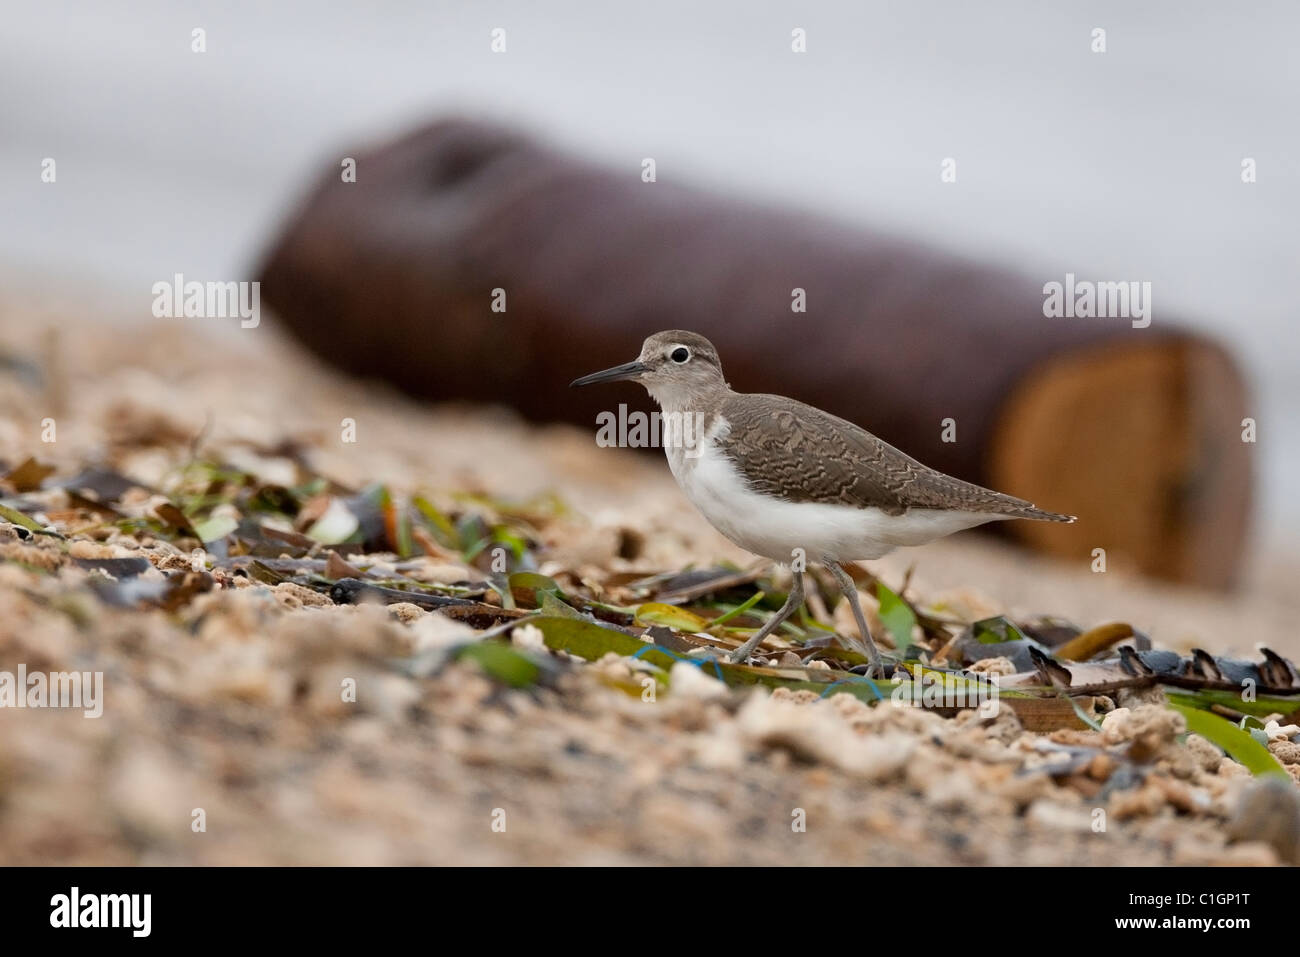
[674, 398]
[688, 419]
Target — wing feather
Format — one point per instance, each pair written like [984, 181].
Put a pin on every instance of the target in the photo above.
[799, 453]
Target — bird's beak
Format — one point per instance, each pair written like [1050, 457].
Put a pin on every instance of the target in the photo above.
[628, 370]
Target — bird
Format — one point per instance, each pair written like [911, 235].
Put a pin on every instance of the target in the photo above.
[794, 484]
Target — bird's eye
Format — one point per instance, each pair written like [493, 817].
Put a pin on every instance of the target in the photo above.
[680, 354]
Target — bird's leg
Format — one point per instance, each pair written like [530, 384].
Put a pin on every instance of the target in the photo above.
[791, 605]
[865, 645]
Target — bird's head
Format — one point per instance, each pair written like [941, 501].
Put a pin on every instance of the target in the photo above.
[676, 367]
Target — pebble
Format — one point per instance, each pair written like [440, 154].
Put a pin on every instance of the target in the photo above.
[689, 681]
[1269, 812]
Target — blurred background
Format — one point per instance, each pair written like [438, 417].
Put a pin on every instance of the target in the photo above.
[1117, 165]
[773, 170]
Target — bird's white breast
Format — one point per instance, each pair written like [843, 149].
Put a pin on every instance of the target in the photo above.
[775, 528]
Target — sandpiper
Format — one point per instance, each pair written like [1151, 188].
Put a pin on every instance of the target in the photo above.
[794, 484]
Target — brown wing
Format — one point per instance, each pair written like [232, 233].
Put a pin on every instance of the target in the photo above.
[801, 454]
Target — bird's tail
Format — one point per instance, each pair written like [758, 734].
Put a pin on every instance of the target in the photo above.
[1041, 515]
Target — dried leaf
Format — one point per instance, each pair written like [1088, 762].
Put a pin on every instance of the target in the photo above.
[101, 485]
[657, 613]
[175, 519]
[336, 568]
[1094, 641]
[119, 568]
[29, 475]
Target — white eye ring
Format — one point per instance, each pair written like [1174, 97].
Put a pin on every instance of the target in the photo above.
[674, 352]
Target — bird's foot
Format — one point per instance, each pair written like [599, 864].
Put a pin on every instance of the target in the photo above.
[875, 665]
[739, 657]
[875, 671]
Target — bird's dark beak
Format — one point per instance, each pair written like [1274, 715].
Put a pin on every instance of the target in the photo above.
[628, 370]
